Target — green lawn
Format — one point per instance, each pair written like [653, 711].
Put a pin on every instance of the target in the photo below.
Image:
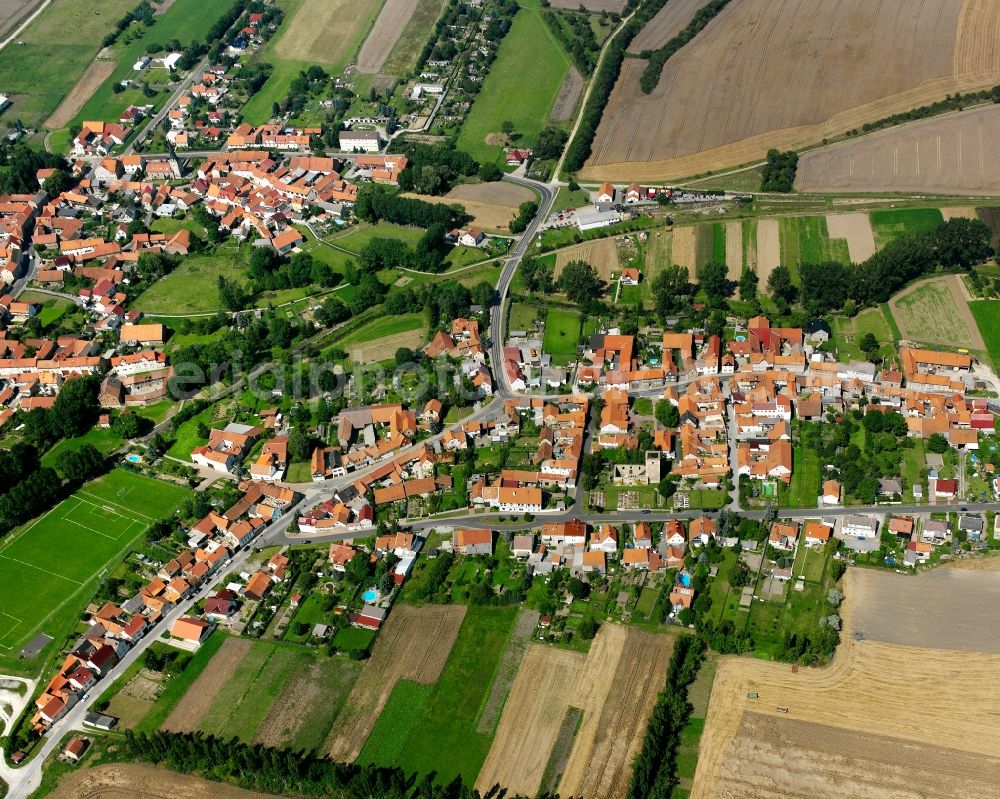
[357, 237]
[384, 326]
[848, 332]
[185, 20]
[53, 308]
[987, 316]
[562, 333]
[804, 488]
[888, 224]
[520, 88]
[718, 243]
[50, 566]
[186, 436]
[105, 439]
[707, 499]
[523, 316]
[570, 199]
[193, 286]
[58, 46]
[805, 239]
[433, 728]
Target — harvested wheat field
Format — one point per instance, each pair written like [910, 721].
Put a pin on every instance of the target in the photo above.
[569, 93]
[382, 349]
[987, 563]
[392, 19]
[413, 645]
[768, 248]
[324, 31]
[936, 312]
[189, 712]
[501, 192]
[692, 246]
[909, 708]
[611, 685]
[491, 217]
[668, 22]
[617, 6]
[857, 230]
[602, 254]
[126, 781]
[96, 74]
[734, 249]
[951, 154]
[727, 97]
[965, 212]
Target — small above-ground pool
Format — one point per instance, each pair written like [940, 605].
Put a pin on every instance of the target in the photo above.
[134, 458]
[371, 595]
[741, 338]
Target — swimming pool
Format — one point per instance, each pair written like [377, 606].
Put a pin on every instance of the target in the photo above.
[134, 458]
[371, 595]
[686, 580]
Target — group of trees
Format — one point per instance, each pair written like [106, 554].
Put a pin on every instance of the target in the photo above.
[779, 171]
[658, 58]
[952, 245]
[375, 203]
[141, 13]
[269, 272]
[434, 168]
[20, 166]
[525, 213]
[580, 282]
[654, 770]
[74, 412]
[428, 255]
[574, 30]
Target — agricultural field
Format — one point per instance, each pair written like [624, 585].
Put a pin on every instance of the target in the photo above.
[413, 645]
[805, 239]
[40, 587]
[434, 728]
[594, 6]
[569, 95]
[611, 686]
[768, 254]
[521, 87]
[192, 287]
[948, 154]
[883, 57]
[59, 45]
[410, 42]
[602, 254]
[378, 340]
[267, 693]
[936, 312]
[866, 720]
[856, 230]
[129, 779]
[889, 224]
[15, 12]
[392, 19]
[491, 205]
[668, 22]
[848, 332]
[323, 32]
[987, 316]
[562, 334]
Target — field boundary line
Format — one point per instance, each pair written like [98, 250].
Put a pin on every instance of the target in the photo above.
[39, 568]
[116, 504]
[17, 536]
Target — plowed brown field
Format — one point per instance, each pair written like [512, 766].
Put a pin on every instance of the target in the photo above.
[786, 73]
[882, 720]
[199, 697]
[384, 34]
[602, 254]
[413, 645]
[126, 781]
[612, 685]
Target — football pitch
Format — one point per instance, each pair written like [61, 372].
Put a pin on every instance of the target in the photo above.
[49, 567]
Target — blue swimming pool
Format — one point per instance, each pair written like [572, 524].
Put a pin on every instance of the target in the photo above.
[686, 580]
[371, 595]
[134, 458]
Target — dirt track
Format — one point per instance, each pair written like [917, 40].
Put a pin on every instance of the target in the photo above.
[392, 19]
[125, 781]
[199, 697]
[726, 98]
[872, 695]
[413, 645]
[90, 81]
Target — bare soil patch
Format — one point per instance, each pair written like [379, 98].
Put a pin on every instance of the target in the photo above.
[857, 229]
[96, 74]
[893, 608]
[382, 349]
[413, 645]
[768, 248]
[126, 781]
[392, 19]
[734, 249]
[726, 98]
[612, 685]
[668, 22]
[510, 662]
[685, 248]
[569, 94]
[936, 312]
[950, 154]
[284, 718]
[966, 212]
[872, 698]
[491, 217]
[187, 715]
[988, 563]
[499, 193]
[602, 254]
[591, 5]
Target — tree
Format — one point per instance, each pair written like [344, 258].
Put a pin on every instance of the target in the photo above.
[298, 445]
[868, 343]
[712, 278]
[667, 414]
[780, 286]
[490, 173]
[938, 444]
[332, 312]
[82, 464]
[672, 291]
[358, 568]
[131, 425]
[779, 171]
[588, 628]
[404, 355]
[580, 282]
[577, 588]
[748, 285]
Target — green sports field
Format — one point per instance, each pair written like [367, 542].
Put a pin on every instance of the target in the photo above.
[50, 567]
